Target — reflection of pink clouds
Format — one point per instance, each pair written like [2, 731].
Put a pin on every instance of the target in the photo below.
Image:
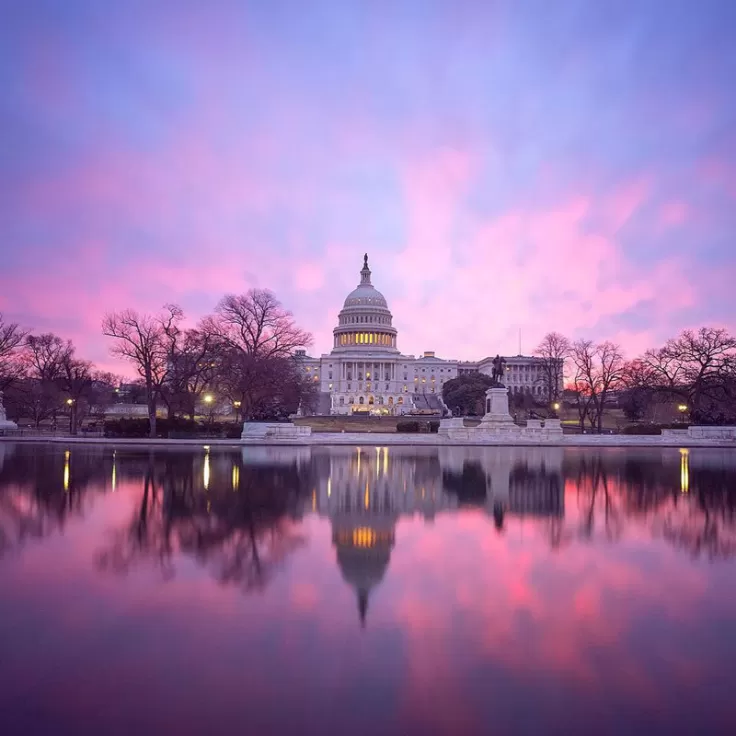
[460, 600]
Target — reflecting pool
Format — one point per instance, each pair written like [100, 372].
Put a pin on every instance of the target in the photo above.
[367, 590]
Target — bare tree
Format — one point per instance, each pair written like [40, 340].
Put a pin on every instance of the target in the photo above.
[554, 351]
[76, 382]
[258, 325]
[255, 339]
[148, 342]
[193, 369]
[12, 337]
[697, 367]
[599, 369]
[40, 395]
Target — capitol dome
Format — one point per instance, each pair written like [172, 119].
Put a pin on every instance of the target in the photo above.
[365, 321]
[365, 294]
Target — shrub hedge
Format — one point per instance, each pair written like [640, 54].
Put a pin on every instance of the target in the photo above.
[176, 428]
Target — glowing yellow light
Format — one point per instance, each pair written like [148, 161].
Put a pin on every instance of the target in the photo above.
[208, 398]
[684, 470]
[314, 499]
[67, 455]
[378, 461]
[237, 404]
[329, 486]
[358, 469]
[385, 460]
[556, 406]
[364, 537]
[70, 401]
[206, 469]
[682, 407]
[236, 477]
[114, 478]
[366, 497]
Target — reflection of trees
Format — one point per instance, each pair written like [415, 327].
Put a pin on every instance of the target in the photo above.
[40, 489]
[706, 525]
[239, 524]
[692, 506]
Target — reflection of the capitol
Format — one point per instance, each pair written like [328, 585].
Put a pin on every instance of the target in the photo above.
[367, 489]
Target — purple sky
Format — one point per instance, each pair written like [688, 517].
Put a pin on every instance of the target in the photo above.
[513, 165]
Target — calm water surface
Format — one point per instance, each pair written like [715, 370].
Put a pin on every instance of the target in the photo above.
[367, 591]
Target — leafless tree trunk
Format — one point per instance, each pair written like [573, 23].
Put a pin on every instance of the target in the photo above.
[599, 370]
[12, 337]
[148, 342]
[554, 350]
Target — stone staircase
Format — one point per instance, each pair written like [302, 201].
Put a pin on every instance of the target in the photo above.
[427, 403]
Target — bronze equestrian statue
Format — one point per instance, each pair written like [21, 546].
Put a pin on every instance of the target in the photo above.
[499, 370]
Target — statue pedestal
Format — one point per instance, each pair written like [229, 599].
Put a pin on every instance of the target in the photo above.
[497, 416]
[5, 424]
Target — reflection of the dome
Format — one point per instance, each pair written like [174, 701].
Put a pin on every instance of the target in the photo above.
[367, 489]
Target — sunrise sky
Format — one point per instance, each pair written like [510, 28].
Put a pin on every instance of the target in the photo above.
[522, 165]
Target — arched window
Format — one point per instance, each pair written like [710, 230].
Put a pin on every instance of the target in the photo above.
[342, 401]
[361, 400]
[351, 400]
[380, 400]
[400, 400]
[390, 400]
[370, 400]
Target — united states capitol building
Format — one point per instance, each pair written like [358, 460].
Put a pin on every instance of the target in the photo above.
[365, 372]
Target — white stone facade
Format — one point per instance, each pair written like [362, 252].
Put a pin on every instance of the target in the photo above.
[366, 373]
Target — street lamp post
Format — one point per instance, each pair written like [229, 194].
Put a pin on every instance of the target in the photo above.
[682, 408]
[208, 400]
[72, 412]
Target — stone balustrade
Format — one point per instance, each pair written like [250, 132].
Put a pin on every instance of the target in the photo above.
[274, 430]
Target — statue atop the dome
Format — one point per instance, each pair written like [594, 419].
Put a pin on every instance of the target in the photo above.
[499, 369]
[365, 261]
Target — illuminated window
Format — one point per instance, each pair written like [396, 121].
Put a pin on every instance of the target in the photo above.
[400, 400]
[370, 400]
